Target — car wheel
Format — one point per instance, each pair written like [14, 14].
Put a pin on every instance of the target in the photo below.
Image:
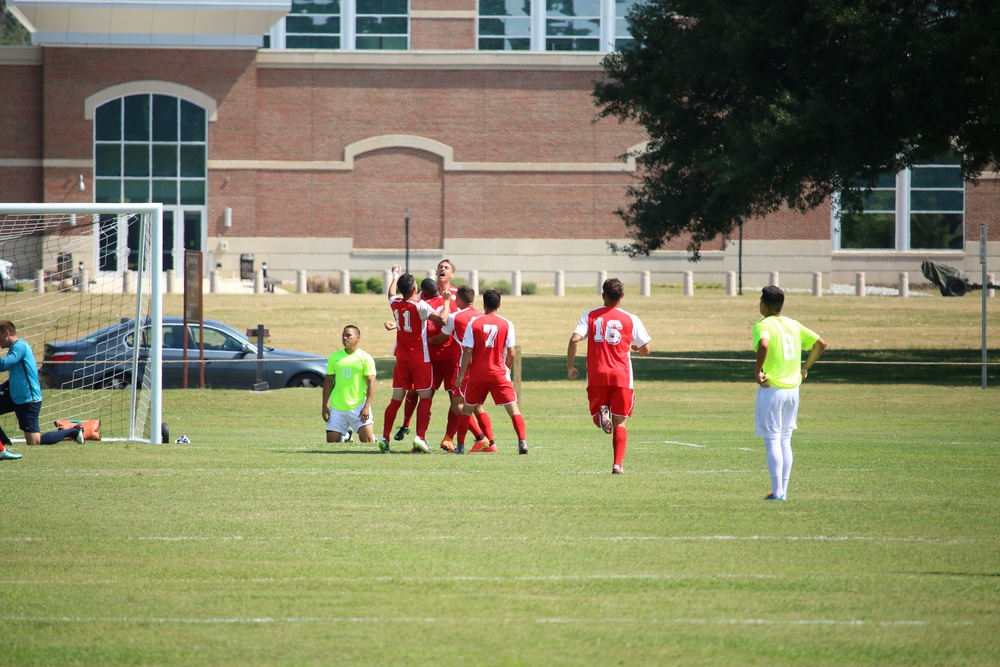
[115, 382]
[306, 380]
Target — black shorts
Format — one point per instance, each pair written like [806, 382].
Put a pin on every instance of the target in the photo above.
[27, 413]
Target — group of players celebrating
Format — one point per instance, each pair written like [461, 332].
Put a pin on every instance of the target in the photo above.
[442, 340]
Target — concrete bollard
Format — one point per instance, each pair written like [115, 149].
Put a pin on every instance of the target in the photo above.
[817, 283]
[40, 281]
[601, 277]
[474, 280]
[258, 282]
[345, 281]
[774, 279]
[689, 283]
[904, 284]
[213, 282]
[859, 284]
[560, 283]
[128, 282]
[172, 286]
[302, 282]
[515, 283]
[730, 283]
[645, 288]
[84, 281]
[991, 281]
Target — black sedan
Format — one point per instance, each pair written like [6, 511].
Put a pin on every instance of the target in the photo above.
[102, 360]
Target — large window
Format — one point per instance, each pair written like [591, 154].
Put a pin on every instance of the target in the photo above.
[921, 208]
[344, 24]
[553, 25]
[150, 148]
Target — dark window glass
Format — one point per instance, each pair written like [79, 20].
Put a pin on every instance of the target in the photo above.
[934, 231]
[382, 7]
[165, 190]
[136, 192]
[312, 42]
[108, 159]
[108, 121]
[936, 200]
[192, 161]
[164, 118]
[936, 177]
[137, 159]
[192, 122]
[382, 25]
[859, 230]
[193, 192]
[137, 118]
[385, 43]
[107, 191]
[313, 24]
[164, 160]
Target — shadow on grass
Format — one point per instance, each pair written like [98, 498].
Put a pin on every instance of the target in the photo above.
[958, 368]
[962, 367]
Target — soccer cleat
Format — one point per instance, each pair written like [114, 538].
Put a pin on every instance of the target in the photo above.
[605, 417]
[383, 446]
[349, 437]
[490, 449]
[771, 496]
[79, 435]
[522, 447]
[419, 445]
[480, 445]
[460, 448]
[7, 455]
[617, 470]
[448, 444]
[401, 433]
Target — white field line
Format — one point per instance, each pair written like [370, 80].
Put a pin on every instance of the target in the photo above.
[516, 538]
[449, 621]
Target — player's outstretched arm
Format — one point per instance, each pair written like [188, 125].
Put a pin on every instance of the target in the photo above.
[574, 343]
[396, 270]
[818, 348]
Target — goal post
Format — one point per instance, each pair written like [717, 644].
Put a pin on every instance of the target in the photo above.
[83, 284]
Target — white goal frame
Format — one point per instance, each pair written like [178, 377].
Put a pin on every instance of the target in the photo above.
[155, 363]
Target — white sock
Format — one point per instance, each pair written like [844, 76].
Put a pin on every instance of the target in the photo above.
[774, 464]
[786, 463]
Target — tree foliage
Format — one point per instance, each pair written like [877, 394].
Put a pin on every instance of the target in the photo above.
[12, 33]
[754, 105]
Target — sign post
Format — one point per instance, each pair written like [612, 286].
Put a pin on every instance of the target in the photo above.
[193, 311]
[982, 260]
[260, 332]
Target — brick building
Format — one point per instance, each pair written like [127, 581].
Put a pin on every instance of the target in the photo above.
[307, 139]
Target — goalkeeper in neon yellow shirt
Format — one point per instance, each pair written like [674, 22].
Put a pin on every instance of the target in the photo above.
[779, 342]
[350, 383]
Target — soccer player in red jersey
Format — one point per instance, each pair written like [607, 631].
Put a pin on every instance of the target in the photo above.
[488, 352]
[444, 356]
[479, 424]
[611, 335]
[413, 367]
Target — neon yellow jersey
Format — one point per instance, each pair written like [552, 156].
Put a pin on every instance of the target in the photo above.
[786, 340]
[349, 371]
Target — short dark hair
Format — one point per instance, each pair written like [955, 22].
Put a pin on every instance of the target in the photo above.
[466, 294]
[351, 326]
[772, 297]
[406, 284]
[614, 289]
[429, 288]
[491, 299]
[7, 327]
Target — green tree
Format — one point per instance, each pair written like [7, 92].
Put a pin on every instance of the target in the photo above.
[753, 105]
[12, 33]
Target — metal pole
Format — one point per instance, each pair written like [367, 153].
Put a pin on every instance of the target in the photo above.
[407, 212]
[741, 260]
[982, 260]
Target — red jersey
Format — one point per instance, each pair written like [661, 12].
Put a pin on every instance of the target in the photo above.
[489, 336]
[610, 333]
[457, 323]
[448, 350]
[411, 328]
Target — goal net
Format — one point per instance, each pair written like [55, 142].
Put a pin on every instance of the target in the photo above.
[82, 285]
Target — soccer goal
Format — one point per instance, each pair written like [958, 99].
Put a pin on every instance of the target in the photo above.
[82, 284]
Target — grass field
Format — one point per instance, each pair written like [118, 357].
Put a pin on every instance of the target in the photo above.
[259, 544]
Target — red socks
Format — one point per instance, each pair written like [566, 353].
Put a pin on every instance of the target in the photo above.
[619, 440]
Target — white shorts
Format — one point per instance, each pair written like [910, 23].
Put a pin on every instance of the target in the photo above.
[342, 420]
[776, 411]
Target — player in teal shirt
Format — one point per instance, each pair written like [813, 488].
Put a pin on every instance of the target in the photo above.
[23, 395]
[778, 342]
[350, 383]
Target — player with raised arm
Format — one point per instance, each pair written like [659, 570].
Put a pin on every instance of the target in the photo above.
[479, 424]
[413, 367]
[778, 342]
[611, 334]
[487, 354]
[350, 381]
[444, 357]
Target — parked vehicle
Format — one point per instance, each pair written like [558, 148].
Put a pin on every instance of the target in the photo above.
[102, 360]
